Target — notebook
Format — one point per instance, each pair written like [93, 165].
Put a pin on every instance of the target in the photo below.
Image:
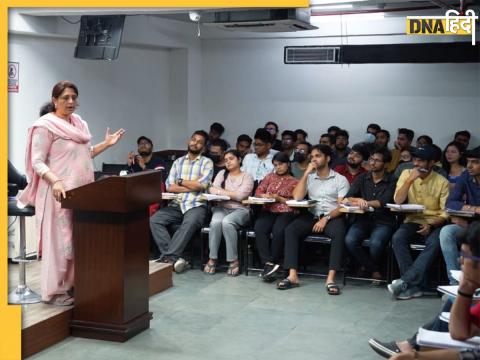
[406, 207]
[444, 340]
[260, 200]
[212, 197]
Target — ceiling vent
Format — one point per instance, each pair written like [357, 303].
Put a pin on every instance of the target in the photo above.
[312, 54]
[268, 20]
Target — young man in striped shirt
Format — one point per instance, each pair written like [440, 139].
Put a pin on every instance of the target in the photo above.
[189, 177]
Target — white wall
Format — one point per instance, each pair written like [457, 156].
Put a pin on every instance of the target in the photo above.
[168, 83]
[146, 90]
[123, 93]
[246, 84]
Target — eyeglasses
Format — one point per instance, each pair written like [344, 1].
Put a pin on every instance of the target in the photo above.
[143, 143]
[375, 160]
[300, 151]
[470, 257]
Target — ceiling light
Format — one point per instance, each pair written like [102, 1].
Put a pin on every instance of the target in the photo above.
[331, 2]
[317, 19]
[332, 7]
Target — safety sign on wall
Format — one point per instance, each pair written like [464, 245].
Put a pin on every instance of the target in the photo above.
[13, 83]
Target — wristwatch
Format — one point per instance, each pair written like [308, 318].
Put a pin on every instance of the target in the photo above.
[180, 181]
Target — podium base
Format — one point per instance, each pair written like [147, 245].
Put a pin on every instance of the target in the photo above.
[111, 332]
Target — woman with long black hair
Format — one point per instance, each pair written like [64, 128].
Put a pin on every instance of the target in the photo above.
[229, 216]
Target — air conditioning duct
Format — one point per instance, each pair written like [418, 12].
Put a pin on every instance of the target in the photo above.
[267, 20]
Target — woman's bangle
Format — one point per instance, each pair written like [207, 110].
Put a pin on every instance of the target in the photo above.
[461, 293]
[56, 181]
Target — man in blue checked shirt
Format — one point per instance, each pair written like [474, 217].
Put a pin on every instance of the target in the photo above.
[189, 177]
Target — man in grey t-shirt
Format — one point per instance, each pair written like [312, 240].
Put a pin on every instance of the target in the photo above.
[327, 187]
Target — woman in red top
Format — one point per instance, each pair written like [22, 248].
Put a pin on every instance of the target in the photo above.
[276, 216]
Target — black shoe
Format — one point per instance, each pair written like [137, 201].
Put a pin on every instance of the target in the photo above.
[269, 272]
[384, 349]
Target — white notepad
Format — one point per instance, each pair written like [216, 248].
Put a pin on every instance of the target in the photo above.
[444, 340]
[300, 202]
[406, 207]
[169, 196]
[213, 197]
[452, 290]
[260, 200]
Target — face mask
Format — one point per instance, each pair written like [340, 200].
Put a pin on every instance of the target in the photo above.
[369, 138]
[299, 157]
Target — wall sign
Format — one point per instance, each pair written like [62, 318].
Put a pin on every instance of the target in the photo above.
[13, 83]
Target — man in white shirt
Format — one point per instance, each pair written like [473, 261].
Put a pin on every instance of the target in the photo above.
[327, 187]
[259, 164]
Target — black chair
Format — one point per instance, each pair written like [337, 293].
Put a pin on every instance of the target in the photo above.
[438, 263]
[113, 169]
[22, 294]
[388, 276]
[321, 240]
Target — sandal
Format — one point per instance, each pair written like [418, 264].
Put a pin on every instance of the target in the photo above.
[233, 268]
[61, 300]
[332, 289]
[286, 284]
[210, 268]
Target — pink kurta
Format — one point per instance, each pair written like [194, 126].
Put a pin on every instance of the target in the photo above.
[68, 156]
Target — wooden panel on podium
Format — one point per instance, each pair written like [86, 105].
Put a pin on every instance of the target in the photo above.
[111, 240]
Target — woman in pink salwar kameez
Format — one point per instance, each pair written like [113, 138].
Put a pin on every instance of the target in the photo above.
[58, 158]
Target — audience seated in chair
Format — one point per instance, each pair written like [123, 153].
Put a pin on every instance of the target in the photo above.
[301, 136]
[453, 161]
[341, 148]
[228, 216]
[422, 186]
[301, 159]
[382, 138]
[144, 159]
[189, 176]
[403, 142]
[216, 152]
[289, 138]
[259, 164]
[328, 187]
[464, 313]
[272, 129]
[274, 218]
[353, 167]
[464, 196]
[327, 139]
[372, 189]
[244, 145]
[463, 137]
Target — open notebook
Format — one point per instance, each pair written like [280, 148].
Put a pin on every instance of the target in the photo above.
[213, 197]
[300, 202]
[260, 200]
[352, 208]
[406, 207]
[444, 340]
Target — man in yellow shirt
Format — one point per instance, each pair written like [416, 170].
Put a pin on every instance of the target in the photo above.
[423, 186]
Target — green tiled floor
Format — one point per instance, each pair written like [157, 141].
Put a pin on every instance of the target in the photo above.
[218, 317]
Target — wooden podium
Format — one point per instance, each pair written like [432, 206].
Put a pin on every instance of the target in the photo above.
[111, 246]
